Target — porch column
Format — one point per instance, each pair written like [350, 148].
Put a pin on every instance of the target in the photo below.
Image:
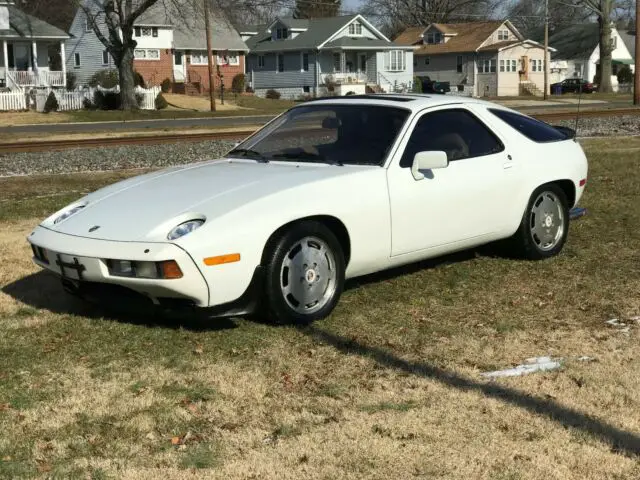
[34, 52]
[5, 53]
[63, 60]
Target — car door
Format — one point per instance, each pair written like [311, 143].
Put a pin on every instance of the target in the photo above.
[467, 199]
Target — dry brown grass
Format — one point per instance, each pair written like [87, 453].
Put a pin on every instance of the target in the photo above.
[201, 104]
[387, 387]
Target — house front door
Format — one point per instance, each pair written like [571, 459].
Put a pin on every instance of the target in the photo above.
[362, 62]
[179, 67]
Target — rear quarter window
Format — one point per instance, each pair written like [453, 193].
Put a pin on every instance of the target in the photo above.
[530, 127]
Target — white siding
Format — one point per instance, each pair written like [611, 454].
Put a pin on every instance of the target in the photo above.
[387, 78]
[163, 40]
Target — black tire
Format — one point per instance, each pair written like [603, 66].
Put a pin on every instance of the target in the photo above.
[280, 307]
[528, 245]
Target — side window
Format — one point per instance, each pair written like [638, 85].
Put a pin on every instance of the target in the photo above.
[457, 132]
[530, 127]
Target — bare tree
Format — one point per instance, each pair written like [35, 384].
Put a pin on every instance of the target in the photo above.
[395, 15]
[316, 8]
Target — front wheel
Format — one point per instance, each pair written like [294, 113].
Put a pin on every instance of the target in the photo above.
[545, 224]
[305, 273]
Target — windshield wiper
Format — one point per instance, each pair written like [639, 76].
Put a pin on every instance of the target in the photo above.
[246, 152]
[305, 156]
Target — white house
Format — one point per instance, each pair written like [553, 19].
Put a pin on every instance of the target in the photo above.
[31, 50]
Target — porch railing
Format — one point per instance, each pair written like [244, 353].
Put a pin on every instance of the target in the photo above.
[344, 77]
[37, 79]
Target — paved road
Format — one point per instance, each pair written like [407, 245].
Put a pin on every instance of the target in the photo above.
[138, 124]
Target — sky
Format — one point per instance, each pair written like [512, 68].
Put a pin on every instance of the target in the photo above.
[351, 4]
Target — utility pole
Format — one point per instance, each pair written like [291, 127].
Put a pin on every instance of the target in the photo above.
[212, 93]
[636, 84]
[546, 48]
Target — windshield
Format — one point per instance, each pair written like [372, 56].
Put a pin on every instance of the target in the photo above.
[336, 134]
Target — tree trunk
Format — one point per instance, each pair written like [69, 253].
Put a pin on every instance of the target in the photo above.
[605, 47]
[127, 82]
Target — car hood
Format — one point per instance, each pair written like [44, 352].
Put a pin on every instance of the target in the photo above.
[147, 207]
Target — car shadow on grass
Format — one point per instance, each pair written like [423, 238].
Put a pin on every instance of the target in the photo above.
[43, 290]
[620, 441]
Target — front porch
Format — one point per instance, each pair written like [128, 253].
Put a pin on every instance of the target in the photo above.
[26, 63]
[347, 71]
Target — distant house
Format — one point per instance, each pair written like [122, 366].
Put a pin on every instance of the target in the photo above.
[31, 50]
[340, 54]
[477, 58]
[170, 45]
[577, 52]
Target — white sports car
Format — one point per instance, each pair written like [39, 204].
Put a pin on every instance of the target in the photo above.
[331, 189]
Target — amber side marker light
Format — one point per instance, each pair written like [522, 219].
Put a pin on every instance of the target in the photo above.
[220, 259]
[170, 269]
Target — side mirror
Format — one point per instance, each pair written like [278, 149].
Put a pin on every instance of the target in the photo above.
[428, 161]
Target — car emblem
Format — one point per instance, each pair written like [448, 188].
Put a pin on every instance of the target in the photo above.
[94, 228]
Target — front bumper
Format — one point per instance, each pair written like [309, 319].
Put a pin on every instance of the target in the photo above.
[81, 262]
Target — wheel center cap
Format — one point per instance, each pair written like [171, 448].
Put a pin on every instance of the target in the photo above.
[310, 275]
[548, 222]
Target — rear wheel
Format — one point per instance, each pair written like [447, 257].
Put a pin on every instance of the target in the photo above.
[305, 273]
[545, 224]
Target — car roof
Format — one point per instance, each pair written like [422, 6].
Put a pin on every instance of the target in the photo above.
[412, 101]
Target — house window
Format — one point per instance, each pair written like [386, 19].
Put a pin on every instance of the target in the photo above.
[146, 31]
[502, 65]
[459, 64]
[488, 66]
[105, 57]
[503, 34]
[536, 65]
[434, 37]
[282, 33]
[577, 70]
[87, 26]
[396, 61]
[199, 58]
[280, 62]
[355, 29]
[508, 65]
[305, 62]
[136, 31]
[146, 54]
[154, 32]
[337, 62]
[260, 61]
[427, 60]
[513, 65]
[76, 60]
[228, 59]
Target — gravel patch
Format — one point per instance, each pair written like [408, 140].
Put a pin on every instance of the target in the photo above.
[164, 155]
[111, 158]
[604, 127]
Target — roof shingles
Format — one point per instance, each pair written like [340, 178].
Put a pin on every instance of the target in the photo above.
[470, 36]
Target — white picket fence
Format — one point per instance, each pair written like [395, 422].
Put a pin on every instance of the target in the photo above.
[13, 101]
[75, 100]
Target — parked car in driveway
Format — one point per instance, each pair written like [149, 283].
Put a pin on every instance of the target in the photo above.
[573, 85]
[332, 189]
[434, 86]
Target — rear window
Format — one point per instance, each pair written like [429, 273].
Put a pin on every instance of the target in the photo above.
[530, 127]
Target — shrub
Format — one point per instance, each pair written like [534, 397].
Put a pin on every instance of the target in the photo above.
[161, 102]
[72, 81]
[88, 104]
[249, 90]
[165, 86]
[625, 75]
[51, 105]
[107, 78]
[350, 92]
[237, 84]
[330, 84]
[106, 100]
[272, 94]
[417, 85]
[138, 80]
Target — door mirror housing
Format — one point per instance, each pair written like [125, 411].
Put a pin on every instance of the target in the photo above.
[428, 161]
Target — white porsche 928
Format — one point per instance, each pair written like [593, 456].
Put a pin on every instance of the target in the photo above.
[329, 190]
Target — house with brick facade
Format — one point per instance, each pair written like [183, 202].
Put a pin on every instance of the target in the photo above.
[489, 58]
[314, 56]
[170, 45]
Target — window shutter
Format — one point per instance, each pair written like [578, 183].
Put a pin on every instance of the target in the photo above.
[387, 60]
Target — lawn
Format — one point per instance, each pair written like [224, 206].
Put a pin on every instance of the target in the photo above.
[388, 387]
